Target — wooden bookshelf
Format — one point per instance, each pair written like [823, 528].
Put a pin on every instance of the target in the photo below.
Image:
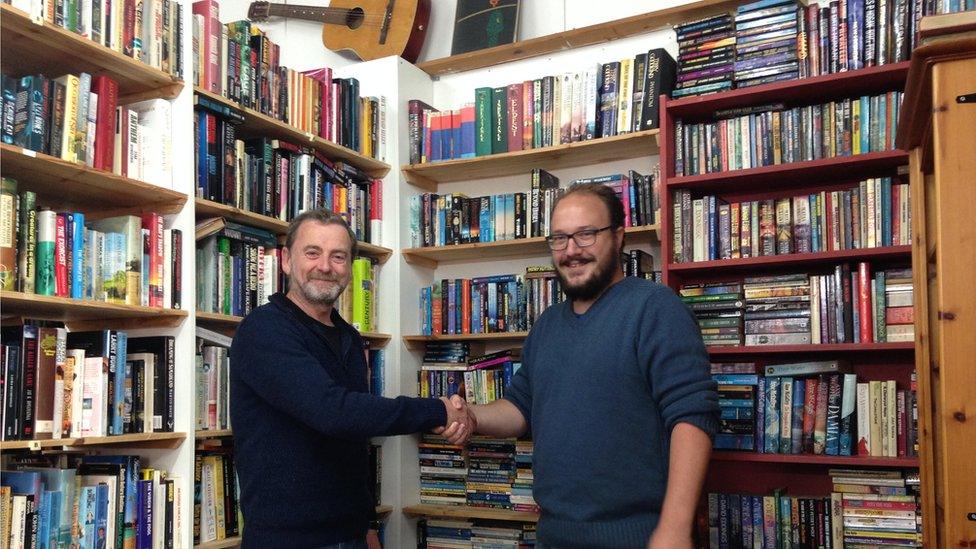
[31, 48]
[66, 185]
[383, 511]
[795, 174]
[208, 208]
[418, 341]
[219, 320]
[575, 38]
[595, 151]
[376, 339]
[81, 314]
[505, 249]
[257, 124]
[798, 261]
[213, 433]
[137, 440]
[819, 348]
[812, 459]
[468, 512]
[233, 541]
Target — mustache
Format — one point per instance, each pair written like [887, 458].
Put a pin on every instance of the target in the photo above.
[324, 277]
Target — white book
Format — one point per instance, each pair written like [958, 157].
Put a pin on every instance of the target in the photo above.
[590, 95]
[565, 109]
[85, 25]
[167, 268]
[815, 310]
[875, 411]
[891, 418]
[208, 509]
[381, 150]
[77, 391]
[130, 121]
[177, 511]
[577, 127]
[224, 45]
[60, 356]
[159, 511]
[92, 126]
[18, 520]
[92, 398]
[698, 229]
[863, 419]
[198, 63]
[155, 128]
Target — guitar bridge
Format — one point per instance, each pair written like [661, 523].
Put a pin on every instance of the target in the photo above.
[387, 17]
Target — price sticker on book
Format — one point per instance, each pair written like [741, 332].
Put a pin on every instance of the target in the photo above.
[30, 153]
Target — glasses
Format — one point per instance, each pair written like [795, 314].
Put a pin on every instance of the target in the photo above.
[583, 238]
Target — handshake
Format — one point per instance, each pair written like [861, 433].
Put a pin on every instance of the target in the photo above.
[461, 421]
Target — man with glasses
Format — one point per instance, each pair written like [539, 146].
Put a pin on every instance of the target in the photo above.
[616, 391]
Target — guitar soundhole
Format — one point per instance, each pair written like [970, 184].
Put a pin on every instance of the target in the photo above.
[355, 18]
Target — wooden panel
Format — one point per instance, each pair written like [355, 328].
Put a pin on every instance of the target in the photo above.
[376, 340]
[63, 185]
[581, 153]
[30, 48]
[955, 162]
[234, 541]
[585, 36]
[468, 512]
[139, 440]
[224, 322]
[257, 124]
[418, 341]
[208, 208]
[214, 433]
[71, 310]
[383, 511]
[505, 249]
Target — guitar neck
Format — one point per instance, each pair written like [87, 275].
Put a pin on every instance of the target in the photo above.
[334, 16]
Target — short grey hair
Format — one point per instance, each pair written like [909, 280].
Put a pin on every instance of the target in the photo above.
[325, 217]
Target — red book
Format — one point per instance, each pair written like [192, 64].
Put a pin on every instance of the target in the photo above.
[809, 414]
[210, 47]
[828, 208]
[528, 114]
[465, 305]
[61, 256]
[895, 211]
[902, 423]
[153, 222]
[900, 315]
[865, 303]
[323, 77]
[376, 200]
[128, 27]
[108, 99]
[514, 131]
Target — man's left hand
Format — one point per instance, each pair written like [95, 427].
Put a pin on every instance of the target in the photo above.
[664, 539]
[373, 539]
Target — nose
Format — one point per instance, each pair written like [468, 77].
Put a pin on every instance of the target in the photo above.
[571, 247]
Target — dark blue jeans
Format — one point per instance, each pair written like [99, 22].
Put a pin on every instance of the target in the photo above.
[353, 544]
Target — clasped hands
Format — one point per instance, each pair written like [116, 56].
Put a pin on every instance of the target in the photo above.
[461, 421]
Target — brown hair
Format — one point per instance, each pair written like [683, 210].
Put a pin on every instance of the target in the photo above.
[325, 217]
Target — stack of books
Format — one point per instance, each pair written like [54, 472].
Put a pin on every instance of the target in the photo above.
[443, 470]
[718, 308]
[543, 289]
[765, 42]
[706, 56]
[464, 534]
[491, 472]
[877, 508]
[777, 309]
[522, 499]
[737, 395]
[898, 321]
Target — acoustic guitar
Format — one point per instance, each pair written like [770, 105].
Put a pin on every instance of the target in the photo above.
[369, 28]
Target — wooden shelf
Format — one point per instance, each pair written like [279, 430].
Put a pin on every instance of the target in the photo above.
[811, 459]
[505, 249]
[208, 208]
[233, 541]
[220, 320]
[376, 339]
[257, 124]
[383, 511]
[141, 440]
[802, 91]
[213, 433]
[468, 512]
[64, 185]
[575, 38]
[794, 174]
[595, 151]
[78, 312]
[31, 48]
[836, 348]
[418, 341]
[724, 266]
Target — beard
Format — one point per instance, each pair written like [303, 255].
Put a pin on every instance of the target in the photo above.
[314, 291]
[592, 286]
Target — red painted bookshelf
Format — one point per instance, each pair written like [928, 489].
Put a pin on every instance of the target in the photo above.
[813, 459]
[820, 348]
[800, 261]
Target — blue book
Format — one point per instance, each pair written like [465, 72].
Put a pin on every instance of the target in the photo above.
[32, 134]
[144, 535]
[492, 297]
[447, 136]
[761, 5]
[757, 521]
[62, 483]
[203, 166]
[77, 255]
[886, 211]
[87, 509]
[746, 524]
[42, 509]
[117, 410]
[132, 465]
[101, 515]
[476, 303]
[26, 483]
[9, 108]
[761, 415]
[452, 306]
[736, 379]
[796, 431]
[772, 419]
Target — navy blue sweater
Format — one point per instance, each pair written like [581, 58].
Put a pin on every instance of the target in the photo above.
[601, 392]
[302, 419]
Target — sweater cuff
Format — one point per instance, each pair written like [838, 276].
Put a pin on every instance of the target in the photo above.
[435, 413]
[708, 423]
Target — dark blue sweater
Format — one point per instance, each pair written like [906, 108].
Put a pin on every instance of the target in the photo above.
[601, 392]
[302, 419]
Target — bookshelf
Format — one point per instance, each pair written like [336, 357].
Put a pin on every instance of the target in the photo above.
[418, 341]
[468, 512]
[45, 48]
[213, 433]
[807, 459]
[257, 124]
[936, 127]
[37, 47]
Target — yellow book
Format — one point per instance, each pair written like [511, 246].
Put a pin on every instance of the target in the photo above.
[855, 127]
[362, 294]
[72, 86]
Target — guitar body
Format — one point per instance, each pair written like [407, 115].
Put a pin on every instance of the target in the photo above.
[404, 35]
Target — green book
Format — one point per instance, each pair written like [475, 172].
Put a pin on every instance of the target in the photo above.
[482, 121]
[47, 222]
[126, 281]
[362, 294]
[27, 242]
[537, 113]
[8, 234]
[224, 264]
[499, 120]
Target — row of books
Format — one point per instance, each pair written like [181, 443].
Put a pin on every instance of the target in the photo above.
[279, 179]
[80, 384]
[77, 118]
[216, 509]
[124, 259]
[799, 309]
[474, 534]
[150, 31]
[817, 408]
[90, 502]
[238, 61]
[604, 100]
[238, 268]
[874, 213]
[845, 518]
[212, 384]
[478, 380]
[773, 134]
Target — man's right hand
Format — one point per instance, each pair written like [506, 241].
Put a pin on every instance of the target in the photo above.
[461, 421]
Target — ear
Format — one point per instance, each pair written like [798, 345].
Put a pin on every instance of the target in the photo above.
[286, 260]
[618, 237]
